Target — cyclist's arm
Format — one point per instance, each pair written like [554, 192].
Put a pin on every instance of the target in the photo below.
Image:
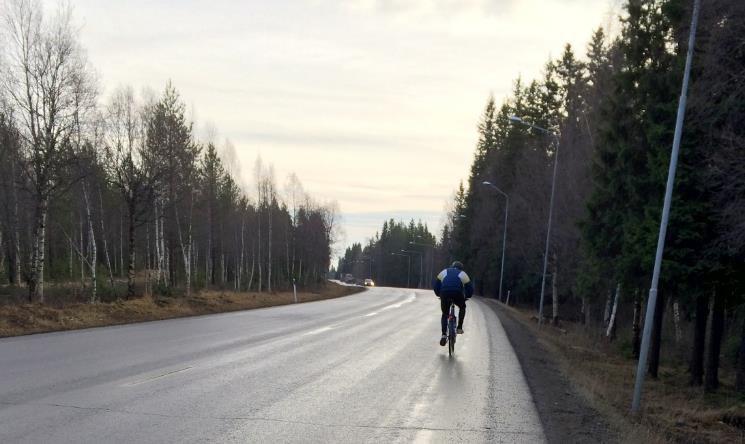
[437, 282]
[467, 284]
[468, 288]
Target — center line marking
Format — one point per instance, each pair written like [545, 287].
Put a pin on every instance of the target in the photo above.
[152, 378]
[320, 330]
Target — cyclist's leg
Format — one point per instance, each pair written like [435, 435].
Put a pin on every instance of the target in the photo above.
[460, 301]
[445, 307]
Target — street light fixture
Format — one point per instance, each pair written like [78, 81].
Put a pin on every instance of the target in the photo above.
[504, 234]
[421, 259]
[368, 259]
[431, 256]
[555, 136]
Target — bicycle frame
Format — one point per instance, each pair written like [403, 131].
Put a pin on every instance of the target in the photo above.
[452, 323]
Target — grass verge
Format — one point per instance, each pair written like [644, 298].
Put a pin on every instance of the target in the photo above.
[25, 319]
[672, 411]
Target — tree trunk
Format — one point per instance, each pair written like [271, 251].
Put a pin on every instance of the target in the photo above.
[2, 254]
[36, 287]
[91, 246]
[606, 312]
[70, 257]
[676, 320]
[269, 252]
[696, 366]
[636, 339]
[259, 259]
[251, 276]
[711, 379]
[82, 258]
[243, 249]
[654, 355]
[121, 243]
[555, 293]
[16, 235]
[131, 262]
[610, 333]
[740, 375]
[148, 262]
[105, 243]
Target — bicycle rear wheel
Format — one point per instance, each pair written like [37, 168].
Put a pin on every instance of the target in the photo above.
[451, 345]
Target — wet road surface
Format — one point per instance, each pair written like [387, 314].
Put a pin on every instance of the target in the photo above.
[363, 368]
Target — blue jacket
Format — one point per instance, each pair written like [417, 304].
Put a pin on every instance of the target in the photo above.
[452, 280]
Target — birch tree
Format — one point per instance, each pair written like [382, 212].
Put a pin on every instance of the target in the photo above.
[127, 167]
[47, 79]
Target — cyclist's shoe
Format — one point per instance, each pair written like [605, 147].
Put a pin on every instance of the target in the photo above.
[459, 331]
[443, 340]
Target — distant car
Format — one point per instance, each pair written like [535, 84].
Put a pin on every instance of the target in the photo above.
[369, 283]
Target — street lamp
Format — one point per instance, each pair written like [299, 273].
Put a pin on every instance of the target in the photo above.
[555, 136]
[431, 256]
[504, 234]
[364, 259]
[421, 258]
[652, 300]
[408, 268]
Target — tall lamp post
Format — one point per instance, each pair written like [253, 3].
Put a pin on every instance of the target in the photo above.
[518, 120]
[652, 300]
[421, 258]
[504, 234]
[431, 256]
[368, 259]
[408, 268]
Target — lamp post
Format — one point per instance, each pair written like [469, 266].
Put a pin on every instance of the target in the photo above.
[431, 256]
[421, 258]
[518, 120]
[408, 268]
[368, 259]
[652, 300]
[504, 234]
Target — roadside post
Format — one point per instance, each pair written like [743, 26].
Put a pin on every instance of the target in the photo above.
[294, 289]
[555, 136]
[652, 300]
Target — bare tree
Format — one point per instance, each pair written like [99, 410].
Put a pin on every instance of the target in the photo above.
[47, 79]
[126, 166]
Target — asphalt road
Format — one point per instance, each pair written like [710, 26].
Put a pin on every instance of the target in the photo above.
[364, 368]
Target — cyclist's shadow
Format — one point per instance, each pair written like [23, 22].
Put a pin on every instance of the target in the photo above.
[453, 367]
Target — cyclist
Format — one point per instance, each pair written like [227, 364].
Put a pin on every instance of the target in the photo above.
[452, 285]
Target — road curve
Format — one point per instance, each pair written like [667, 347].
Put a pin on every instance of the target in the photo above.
[363, 368]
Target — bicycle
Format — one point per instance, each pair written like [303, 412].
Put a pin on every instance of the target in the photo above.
[452, 333]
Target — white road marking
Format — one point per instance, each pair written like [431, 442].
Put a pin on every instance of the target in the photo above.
[153, 378]
[320, 330]
[405, 301]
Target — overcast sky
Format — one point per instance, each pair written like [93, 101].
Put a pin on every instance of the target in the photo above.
[373, 103]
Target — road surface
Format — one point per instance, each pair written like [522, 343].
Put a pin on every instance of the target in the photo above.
[363, 368]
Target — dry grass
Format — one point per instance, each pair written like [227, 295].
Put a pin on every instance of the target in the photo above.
[36, 318]
[671, 409]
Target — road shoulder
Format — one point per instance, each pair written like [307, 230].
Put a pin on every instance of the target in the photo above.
[565, 415]
[24, 319]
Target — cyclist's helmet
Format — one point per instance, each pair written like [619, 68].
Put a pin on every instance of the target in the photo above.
[458, 265]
